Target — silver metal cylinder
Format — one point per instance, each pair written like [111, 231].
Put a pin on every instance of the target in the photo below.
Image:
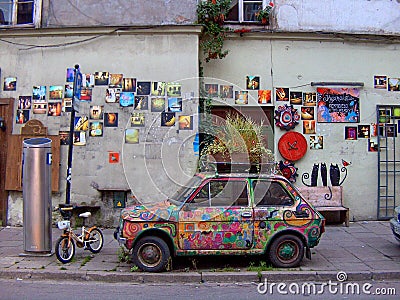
[36, 191]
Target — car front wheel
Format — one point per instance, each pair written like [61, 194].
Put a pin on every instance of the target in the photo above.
[286, 251]
[151, 254]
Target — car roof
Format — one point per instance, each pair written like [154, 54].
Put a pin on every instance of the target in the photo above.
[241, 175]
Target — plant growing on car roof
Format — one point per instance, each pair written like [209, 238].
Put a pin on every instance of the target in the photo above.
[211, 14]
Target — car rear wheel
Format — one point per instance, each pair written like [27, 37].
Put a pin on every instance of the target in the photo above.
[286, 251]
[151, 254]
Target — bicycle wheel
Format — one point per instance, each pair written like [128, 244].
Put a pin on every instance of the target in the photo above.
[95, 240]
[65, 250]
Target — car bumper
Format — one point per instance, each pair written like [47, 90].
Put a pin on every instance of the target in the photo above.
[395, 226]
[117, 235]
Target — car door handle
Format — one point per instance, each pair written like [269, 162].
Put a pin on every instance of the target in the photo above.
[246, 214]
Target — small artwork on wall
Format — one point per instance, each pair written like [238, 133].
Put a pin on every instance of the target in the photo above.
[168, 119]
[66, 105]
[264, 97]
[350, 133]
[39, 107]
[296, 98]
[132, 136]
[372, 145]
[88, 80]
[137, 119]
[68, 90]
[316, 142]
[86, 94]
[110, 119]
[211, 89]
[96, 128]
[101, 78]
[380, 82]
[141, 103]
[56, 92]
[174, 104]
[129, 85]
[24, 102]
[157, 104]
[64, 138]
[309, 99]
[79, 138]
[113, 157]
[22, 116]
[126, 99]
[384, 115]
[143, 88]
[174, 89]
[54, 109]
[307, 113]
[391, 130]
[81, 123]
[10, 84]
[281, 94]
[116, 80]
[96, 112]
[394, 84]
[185, 122]
[241, 97]
[253, 82]
[309, 127]
[226, 91]
[70, 75]
[111, 96]
[39, 92]
[158, 88]
[363, 131]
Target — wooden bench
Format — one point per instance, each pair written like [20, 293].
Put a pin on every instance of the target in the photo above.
[318, 196]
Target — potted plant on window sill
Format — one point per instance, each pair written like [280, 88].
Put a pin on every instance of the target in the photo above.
[263, 14]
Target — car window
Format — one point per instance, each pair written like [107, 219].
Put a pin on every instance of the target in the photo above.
[269, 193]
[222, 192]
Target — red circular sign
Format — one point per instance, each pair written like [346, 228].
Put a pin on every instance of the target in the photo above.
[292, 146]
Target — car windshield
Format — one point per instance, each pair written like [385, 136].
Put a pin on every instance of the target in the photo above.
[185, 191]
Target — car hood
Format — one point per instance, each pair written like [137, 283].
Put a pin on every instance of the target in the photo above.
[162, 211]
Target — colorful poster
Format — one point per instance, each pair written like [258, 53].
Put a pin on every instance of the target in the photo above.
[338, 105]
[264, 96]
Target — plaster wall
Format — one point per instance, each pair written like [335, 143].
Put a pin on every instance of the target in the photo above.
[295, 64]
[164, 157]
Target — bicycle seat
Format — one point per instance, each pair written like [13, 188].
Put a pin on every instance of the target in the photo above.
[85, 214]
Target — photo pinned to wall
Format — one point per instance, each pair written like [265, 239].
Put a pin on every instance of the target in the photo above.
[373, 145]
[10, 84]
[113, 95]
[96, 129]
[116, 80]
[394, 84]
[113, 157]
[350, 133]
[56, 92]
[64, 138]
[66, 105]
[39, 107]
[96, 112]
[381, 130]
[309, 127]
[81, 123]
[129, 85]
[54, 109]
[86, 94]
[132, 136]
[22, 116]
[174, 104]
[380, 82]
[396, 112]
[68, 90]
[158, 88]
[157, 104]
[391, 130]
[174, 89]
[137, 119]
[363, 131]
[143, 88]
[281, 94]
[70, 75]
[264, 97]
[185, 122]
[241, 97]
[39, 92]
[211, 90]
[309, 99]
[126, 99]
[101, 78]
[307, 112]
[226, 91]
[141, 103]
[167, 119]
[374, 129]
[88, 80]
[253, 82]
[110, 119]
[296, 98]
[384, 115]
[316, 142]
[24, 102]
[79, 138]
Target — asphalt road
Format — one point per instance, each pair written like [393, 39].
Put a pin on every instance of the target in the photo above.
[43, 290]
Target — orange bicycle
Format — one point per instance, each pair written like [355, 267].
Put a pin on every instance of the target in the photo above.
[89, 238]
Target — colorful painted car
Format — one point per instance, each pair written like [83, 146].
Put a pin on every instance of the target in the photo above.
[226, 214]
[395, 223]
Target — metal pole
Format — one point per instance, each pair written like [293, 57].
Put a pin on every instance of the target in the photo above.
[71, 138]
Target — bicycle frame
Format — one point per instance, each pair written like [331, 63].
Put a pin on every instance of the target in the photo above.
[80, 239]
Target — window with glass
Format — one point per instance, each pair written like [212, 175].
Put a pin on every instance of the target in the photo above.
[19, 12]
[245, 10]
[267, 193]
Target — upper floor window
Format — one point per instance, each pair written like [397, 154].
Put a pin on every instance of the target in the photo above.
[245, 10]
[19, 12]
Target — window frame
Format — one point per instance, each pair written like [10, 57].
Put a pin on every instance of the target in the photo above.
[240, 4]
[37, 15]
[270, 183]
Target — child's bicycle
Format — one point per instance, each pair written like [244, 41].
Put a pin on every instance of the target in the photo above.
[89, 238]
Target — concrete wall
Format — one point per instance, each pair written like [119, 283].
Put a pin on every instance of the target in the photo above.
[293, 62]
[164, 157]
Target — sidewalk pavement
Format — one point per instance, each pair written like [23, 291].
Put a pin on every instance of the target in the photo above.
[365, 251]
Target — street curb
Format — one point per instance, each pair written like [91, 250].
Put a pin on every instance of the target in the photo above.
[196, 277]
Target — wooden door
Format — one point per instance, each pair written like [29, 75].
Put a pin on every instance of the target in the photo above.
[7, 113]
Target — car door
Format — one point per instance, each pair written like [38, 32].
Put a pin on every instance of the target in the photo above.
[217, 217]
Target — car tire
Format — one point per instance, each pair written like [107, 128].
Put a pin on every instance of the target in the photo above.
[151, 254]
[286, 251]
